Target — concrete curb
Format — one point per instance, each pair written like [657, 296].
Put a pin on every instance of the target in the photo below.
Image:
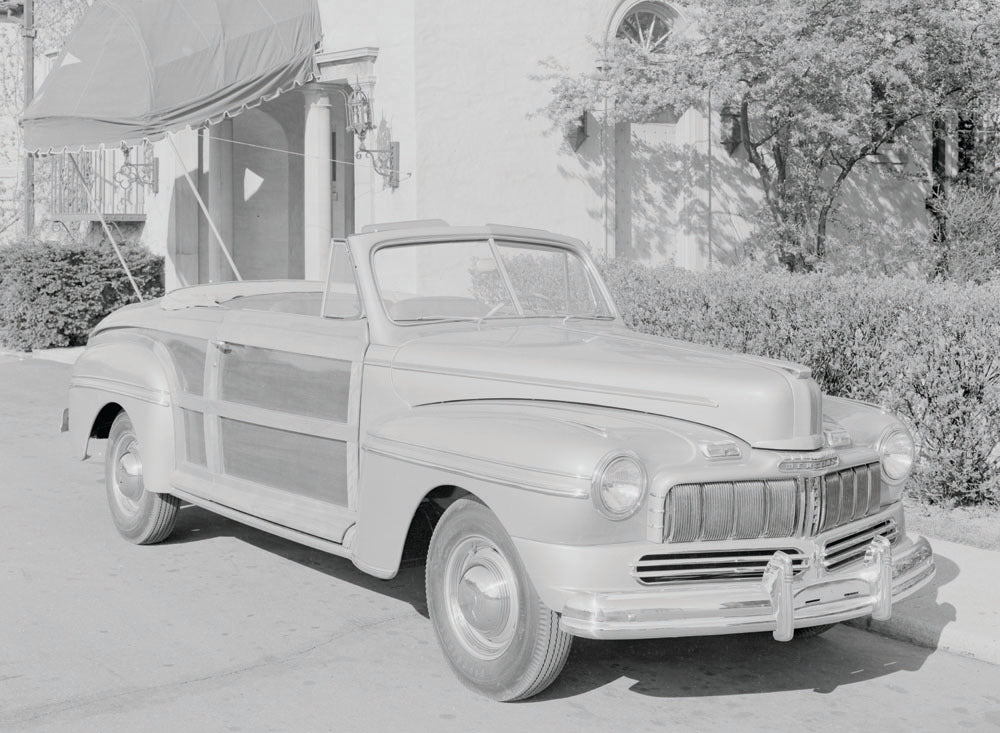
[63, 356]
[958, 612]
[67, 355]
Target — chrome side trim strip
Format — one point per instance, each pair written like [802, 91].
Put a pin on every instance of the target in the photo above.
[135, 391]
[478, 459]
[478, 476]
[558, 384]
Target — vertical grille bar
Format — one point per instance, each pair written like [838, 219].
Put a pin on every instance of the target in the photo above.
[831, 500]
[717, 512]
[749, 515]
[847, 489]
[684, 513]
[862, 480]
[875, 481]
[781, 496]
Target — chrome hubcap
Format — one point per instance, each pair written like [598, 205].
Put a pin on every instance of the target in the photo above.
[127, 472]
[482, 597]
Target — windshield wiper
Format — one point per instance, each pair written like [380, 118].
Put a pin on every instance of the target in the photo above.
[436, 319]
[588, 317]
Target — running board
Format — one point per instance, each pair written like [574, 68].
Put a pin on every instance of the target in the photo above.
[317, 543]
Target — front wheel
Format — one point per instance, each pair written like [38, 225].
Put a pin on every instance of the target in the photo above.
[140, 516]
[497, 635]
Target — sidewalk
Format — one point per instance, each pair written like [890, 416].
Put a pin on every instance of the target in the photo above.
[958, 612]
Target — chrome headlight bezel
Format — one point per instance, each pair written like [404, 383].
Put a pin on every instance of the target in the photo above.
[885, 458]
[598, 487]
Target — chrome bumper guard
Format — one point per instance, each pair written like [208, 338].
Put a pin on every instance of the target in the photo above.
[778, 603]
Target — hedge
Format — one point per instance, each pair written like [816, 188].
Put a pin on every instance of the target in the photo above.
[929, 352]
[53, 294]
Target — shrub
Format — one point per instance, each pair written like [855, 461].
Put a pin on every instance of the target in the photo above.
[972, 250]
[925, 351]
[53, 295]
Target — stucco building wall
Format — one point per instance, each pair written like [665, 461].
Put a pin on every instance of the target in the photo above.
[457, 84]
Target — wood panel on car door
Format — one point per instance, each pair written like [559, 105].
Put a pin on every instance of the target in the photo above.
[281, 427]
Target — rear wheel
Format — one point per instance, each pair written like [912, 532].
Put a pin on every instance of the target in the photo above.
[497, 635]
[140, 516]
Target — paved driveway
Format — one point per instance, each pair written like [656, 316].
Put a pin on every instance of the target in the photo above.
[224, 628]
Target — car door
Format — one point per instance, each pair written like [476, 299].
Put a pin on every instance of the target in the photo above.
[281, 429]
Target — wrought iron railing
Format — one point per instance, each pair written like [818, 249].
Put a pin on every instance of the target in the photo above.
[118, 184]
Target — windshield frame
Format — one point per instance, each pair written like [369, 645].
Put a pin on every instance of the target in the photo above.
[596, 282]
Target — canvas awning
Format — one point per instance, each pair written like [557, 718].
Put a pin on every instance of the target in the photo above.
[136, 69]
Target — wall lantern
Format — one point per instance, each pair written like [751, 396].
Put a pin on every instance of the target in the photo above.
[385, 160]
[732, 133]
[577, 131]
[359, 113]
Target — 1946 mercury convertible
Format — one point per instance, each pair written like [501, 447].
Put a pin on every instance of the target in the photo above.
[580, 479]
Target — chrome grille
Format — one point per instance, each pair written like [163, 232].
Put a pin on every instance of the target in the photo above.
[728, 565]
[851, 548]
[850, 494]
[785, 507]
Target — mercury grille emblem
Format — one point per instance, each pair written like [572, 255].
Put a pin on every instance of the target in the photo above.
[809, 463]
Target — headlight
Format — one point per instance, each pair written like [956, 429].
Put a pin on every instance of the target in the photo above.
[896, 452]
[619, 485]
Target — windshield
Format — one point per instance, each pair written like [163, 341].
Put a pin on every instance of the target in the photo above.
[478, 280]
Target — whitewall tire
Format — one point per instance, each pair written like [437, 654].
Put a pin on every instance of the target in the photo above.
[497, 635]
[140, 516]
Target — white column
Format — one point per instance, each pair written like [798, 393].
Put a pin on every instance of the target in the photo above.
[316, 195]
[220, 198]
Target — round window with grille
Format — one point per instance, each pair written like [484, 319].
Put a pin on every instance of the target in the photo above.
[647, 25]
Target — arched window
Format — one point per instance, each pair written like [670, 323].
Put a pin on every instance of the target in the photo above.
[648, 25]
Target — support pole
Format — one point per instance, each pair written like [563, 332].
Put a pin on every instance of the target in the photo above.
[203, 207]
[107, 230]
[710, 161]
[28, 31]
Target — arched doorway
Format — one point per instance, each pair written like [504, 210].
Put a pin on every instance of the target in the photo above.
[655, 169]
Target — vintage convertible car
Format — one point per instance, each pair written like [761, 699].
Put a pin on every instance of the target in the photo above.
[471, 396]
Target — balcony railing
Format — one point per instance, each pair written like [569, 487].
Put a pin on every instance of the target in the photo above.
[119, 183]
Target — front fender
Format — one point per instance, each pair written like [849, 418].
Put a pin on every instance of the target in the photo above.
[127, 371]
[532, 463]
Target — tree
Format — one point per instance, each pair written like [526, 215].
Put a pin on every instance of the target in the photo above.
[814, 87]
[54, 19]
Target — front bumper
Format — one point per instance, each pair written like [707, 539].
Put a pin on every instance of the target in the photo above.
[779, 603]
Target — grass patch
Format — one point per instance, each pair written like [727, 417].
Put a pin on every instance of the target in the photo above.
[974, 526]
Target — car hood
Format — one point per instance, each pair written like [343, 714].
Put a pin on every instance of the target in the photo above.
[767, 403]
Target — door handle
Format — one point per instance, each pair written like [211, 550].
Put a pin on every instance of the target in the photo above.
[223, 346]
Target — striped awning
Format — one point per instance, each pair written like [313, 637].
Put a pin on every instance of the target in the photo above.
[134, 70]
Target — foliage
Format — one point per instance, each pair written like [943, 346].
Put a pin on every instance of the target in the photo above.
[927, 352]
[53, 295]
[869, 247]
[971, 248]
[813, 87]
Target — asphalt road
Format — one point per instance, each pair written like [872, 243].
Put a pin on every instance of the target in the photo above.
[224, 628]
